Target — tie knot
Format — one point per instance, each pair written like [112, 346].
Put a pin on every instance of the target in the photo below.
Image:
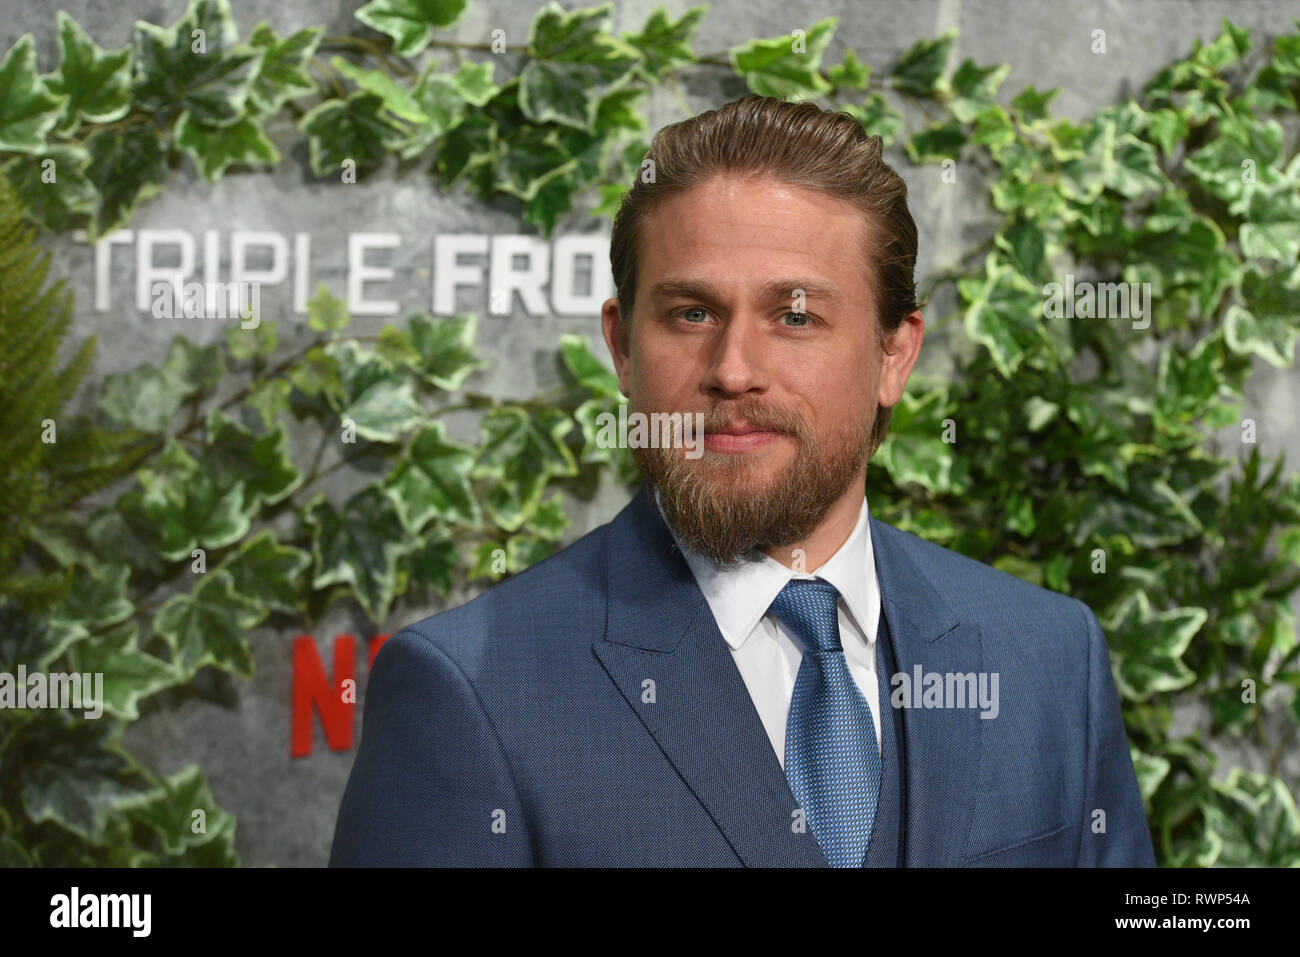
[807, 606]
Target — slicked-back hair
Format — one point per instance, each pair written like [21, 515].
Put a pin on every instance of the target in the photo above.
[796, 143]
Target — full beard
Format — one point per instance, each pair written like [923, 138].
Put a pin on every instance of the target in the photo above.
[722, 506]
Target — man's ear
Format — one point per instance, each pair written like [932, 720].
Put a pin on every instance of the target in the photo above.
[902, 348]
[610, 329]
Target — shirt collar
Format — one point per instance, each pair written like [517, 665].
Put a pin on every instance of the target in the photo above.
[740, 595]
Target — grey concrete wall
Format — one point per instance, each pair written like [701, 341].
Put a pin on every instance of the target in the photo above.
[238, 732]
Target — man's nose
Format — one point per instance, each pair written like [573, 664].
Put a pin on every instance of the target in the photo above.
[738, 361]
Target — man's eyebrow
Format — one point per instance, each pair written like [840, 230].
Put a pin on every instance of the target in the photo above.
[771, 290]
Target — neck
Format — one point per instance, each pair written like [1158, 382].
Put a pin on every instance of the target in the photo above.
[825, 540]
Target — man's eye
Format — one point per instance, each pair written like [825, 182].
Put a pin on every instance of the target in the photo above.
[690, 309]
[803, 319]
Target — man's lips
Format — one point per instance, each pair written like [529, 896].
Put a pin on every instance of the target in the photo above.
[738, 436]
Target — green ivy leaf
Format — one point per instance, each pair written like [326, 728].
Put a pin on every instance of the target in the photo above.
[190, 506]
[410, 22]
[786, 67]
[1122, 162]
[359, 546]
[126, 166]
[98, 596]
[442, 350]
[379, 399]
[877, 118]
[1254, 821]
[349, 130]
[920, 69]
[257, 342]
[97, 83]
[1004, 314]
[317, 373]
[1148, 646]
[270, 399]
[432, 480]
[665, 44]
[261, 462]
[593, 417]
[326, 312]
[269, 573]
[148, 397]
[915, 452]
[575, 63]
[850, 73]
[1277, 238]
[207, 627]
[283, 74]
[1265, 322]
[170, 814]
[468, 146]
[522, 451]
[54, 192]
[129, 673]
[586, 368]
[214, 148]
[27, 110]
[34, 640]
[936, 143]
[550, 519]
[83, 778]
[397, 99]
[194, 65]
[1031, 105]
[1151, 769]
[532, 159]
[433, 564]
[525, 550]
[123, 532]
[974, 88]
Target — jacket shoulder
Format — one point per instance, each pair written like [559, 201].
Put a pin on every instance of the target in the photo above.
[533, 607]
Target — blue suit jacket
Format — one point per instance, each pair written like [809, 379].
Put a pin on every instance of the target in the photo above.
[587, 712]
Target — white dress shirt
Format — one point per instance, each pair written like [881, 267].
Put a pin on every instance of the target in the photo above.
[766, 654]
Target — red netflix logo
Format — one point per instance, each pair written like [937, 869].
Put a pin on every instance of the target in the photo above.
[334, 700]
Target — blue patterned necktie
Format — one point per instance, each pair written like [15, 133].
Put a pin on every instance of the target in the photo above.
[832, 759]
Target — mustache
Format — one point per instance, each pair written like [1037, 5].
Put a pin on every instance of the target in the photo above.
[760, 417]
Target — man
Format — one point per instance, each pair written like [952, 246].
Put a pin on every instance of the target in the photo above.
[744, 667]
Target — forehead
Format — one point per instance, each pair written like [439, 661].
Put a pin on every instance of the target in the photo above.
[754, 236]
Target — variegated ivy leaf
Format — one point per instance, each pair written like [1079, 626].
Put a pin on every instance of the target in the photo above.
[350, 130]
[97, 83]
[214, 148]
[209, 627]
[283, 74]
[359, 546]
[27, 109]
[665, 44]
[195, 65]
[432, 481]
[377, 398]
[126, 166]
[53, 185]
[522, 450]
[786, 67]
[575, 63]
[410, 22]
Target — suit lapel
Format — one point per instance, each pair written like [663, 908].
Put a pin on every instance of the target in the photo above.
[664, 653]
[942, 745]
[659, 629]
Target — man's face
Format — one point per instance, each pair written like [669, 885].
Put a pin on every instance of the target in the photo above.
[754, 306]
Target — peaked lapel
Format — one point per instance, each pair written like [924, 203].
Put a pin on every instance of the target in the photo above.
[659, 628]
[941, 745]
